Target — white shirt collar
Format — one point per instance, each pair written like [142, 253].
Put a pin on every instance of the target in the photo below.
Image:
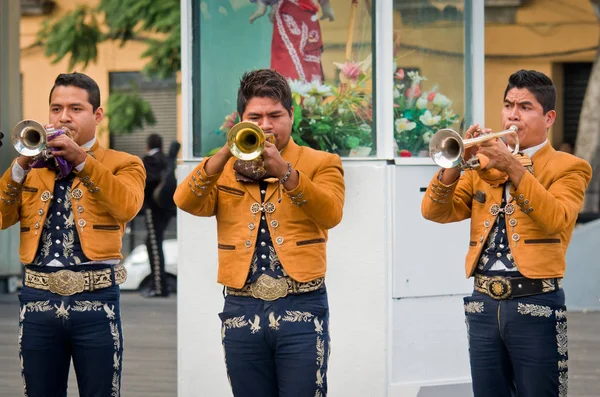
[153, 151]
[533, 150]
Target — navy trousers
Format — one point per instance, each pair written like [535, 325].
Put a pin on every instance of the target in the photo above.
[278, 348]
[54, 329]
[518, 347]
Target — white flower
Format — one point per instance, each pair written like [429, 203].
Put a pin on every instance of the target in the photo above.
[421, 103]
[299, 87]
[341, 111]
[404, 125]
[414, 76]
[441, 100]
[396, 93]
[427, 136]
[428, 119]
[317, 88]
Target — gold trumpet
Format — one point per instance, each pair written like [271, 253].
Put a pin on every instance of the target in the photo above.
[246, 140]
[447, 147]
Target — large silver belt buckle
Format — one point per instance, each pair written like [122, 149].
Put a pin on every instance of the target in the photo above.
[66, 282]
[268, 288]
[499, 288]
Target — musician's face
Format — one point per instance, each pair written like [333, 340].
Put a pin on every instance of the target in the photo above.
[272, 117]
[70, 108]
[523, 110]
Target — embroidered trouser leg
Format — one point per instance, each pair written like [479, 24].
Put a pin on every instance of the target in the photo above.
[278, 348]
[156, 225]
[85, 327]
[518, 347]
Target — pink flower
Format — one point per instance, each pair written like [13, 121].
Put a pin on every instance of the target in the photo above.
[400, 74]
[431, 96]
[413, 92]
[351, 70]
[229, 121]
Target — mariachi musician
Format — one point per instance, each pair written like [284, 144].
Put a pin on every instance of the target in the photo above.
[273, 216]
[523, 209]
[72, 214]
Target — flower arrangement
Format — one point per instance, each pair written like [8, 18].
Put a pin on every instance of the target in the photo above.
[333, 119]
[418, 114]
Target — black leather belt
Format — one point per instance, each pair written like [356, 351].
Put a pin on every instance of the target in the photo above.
[499, 287]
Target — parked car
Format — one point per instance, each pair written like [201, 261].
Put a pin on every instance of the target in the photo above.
[138, 267]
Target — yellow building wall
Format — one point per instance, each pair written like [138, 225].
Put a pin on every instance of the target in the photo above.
[542, 27]
[38, 72]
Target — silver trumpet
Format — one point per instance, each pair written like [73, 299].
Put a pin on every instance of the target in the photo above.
[30, 138]
[447, 147]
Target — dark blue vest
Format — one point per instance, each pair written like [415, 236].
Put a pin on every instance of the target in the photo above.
[264, 260]
[60, 240]
[496, 246]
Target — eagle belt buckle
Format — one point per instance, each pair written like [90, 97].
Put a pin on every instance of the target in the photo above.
[66, 282]
[499, 288]
[268, 288]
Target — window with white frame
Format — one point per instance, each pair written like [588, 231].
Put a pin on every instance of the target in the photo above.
[325, 49]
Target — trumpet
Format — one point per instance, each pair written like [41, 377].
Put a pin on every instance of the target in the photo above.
[30, 138]
[447, 147]
[246, 140]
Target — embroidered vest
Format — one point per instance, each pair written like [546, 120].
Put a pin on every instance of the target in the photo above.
[496, 247]
[60, 240]
[265, 260]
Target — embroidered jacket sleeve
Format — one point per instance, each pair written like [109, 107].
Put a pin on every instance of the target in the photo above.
[448, 203]
[322, 198]
[10, 199]
[557, 206]
[122, 192]
[197, 194]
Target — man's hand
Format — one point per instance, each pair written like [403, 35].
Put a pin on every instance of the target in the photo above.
[261, 9]
[501, 158]
[277, 167]
[327, 12]
[66, 148]
[25, 162]
[216, 163]
[474, 131]
[273, 162]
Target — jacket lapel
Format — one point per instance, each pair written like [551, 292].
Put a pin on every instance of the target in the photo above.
[48, 178]
[541, 158]
[97, 152]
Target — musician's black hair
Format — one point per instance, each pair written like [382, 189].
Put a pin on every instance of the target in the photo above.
[154, 141]
[264, 83]
[82, 81]
[538, 84]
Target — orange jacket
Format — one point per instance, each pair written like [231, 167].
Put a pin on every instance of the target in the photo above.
[546, 207]
[112, 186]
[302, 218]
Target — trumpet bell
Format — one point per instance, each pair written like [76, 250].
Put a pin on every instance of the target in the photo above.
[446, 148]
[29, 138]
[246, 140]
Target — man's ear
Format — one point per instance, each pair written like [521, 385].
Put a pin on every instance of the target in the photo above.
[550, 118]
[99, 115]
